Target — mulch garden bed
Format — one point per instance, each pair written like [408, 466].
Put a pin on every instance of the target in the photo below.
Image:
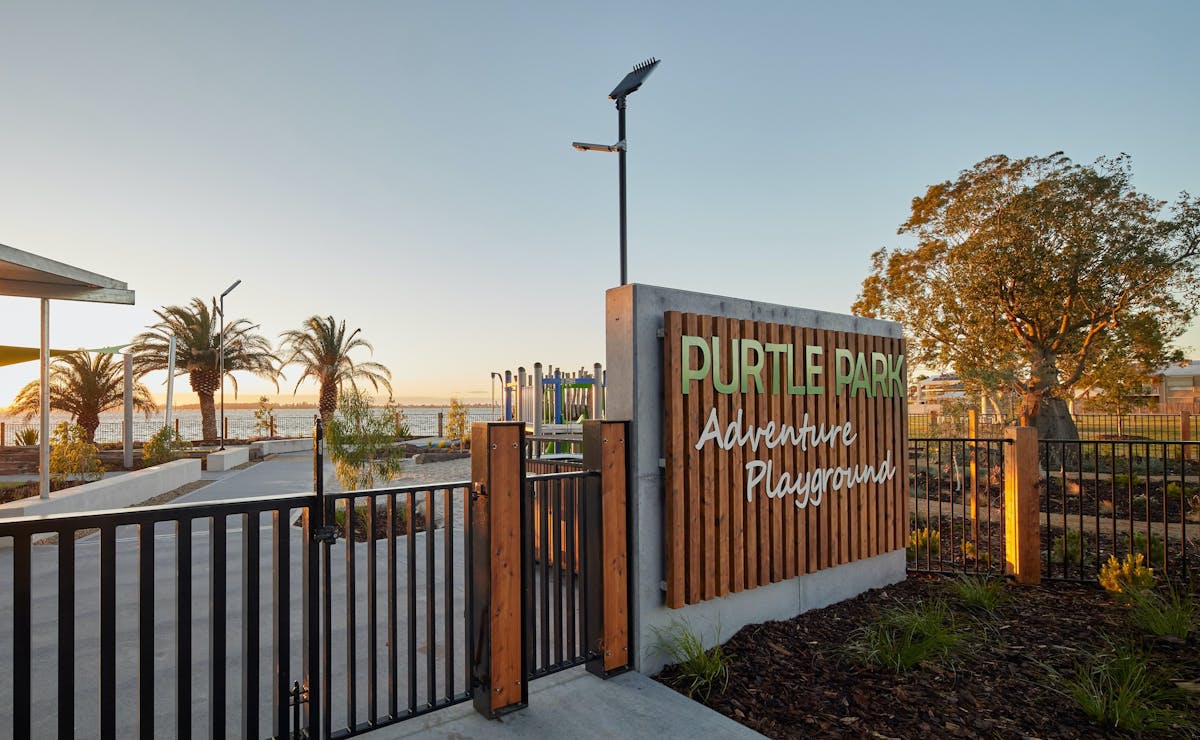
[795, 678]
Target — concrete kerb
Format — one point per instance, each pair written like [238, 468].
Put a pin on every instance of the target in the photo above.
[634, 317]
[112, 493]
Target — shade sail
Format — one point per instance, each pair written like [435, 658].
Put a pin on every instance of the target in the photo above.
[17, 355]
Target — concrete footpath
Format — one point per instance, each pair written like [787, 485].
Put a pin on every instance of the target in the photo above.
[576, 704]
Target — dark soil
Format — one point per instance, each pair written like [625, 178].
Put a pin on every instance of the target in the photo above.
[794, 678]
[30, 489]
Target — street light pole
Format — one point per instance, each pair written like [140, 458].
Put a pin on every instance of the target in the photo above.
[621, 169]
[221, 363]
[629, 84]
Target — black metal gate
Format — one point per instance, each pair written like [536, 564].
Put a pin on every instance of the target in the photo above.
[306, 615]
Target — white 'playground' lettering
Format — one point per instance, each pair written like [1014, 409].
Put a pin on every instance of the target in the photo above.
[810, 487]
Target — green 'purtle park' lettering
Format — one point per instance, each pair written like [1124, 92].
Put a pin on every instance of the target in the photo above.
[790, 369]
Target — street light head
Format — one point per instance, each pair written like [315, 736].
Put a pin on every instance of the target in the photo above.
[634, 79]
[583, 147]
[230, 288]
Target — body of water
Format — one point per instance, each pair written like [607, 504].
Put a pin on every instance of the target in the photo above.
[421, 420]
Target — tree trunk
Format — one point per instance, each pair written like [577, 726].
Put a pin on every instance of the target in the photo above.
[1041, 406]
[208, 414]
[327, 404]
[89, 422]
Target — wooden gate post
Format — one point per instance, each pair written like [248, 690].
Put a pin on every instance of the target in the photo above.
[1022, 535]
[495, 557]
[607, 547]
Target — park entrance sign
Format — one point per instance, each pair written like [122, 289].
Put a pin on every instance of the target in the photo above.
[768, 470]
[782, 447]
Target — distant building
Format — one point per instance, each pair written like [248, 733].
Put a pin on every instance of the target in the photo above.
[928, 394]
[1177, 387]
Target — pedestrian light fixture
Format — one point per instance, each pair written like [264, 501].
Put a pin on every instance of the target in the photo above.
[629, 84]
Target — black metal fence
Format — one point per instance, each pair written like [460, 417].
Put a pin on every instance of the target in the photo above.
[956, 517]
[401, 633]
[1113, 498]
[169, 611]
[319, 615]
[558, 580]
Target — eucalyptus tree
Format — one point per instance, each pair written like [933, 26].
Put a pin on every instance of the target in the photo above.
[1027, 271]
[197, 332]
[83, 385]
[322, 348]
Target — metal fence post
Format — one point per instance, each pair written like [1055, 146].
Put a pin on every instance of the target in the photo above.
[607, 580]
[973, 434]
[1022, 533]
[496, 584]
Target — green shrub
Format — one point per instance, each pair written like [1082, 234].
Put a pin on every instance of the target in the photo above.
[1174, 489]
[1139, 502]
[27, 437]
[903, 636]
[1121, 578]
[697, 670]
[979, 593]
[1172, 614]
[1069, 548]
[1122, 691]
[1154, 550]
[924, 542]
[163, 446]
[72, 454]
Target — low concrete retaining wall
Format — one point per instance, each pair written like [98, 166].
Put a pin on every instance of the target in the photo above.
[228, 459]
[114, 493]
[259, 450]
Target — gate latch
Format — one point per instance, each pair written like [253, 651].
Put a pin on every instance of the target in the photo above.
[326, 534]
[478, 490]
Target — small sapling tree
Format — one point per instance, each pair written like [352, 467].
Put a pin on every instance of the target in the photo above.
[361, 443]
[457, 427]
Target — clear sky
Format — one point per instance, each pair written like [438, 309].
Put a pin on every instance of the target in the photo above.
[407, 166]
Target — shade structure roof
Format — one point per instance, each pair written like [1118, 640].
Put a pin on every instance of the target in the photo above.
[31, 276]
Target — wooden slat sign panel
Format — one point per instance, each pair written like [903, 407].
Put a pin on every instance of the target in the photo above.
[784, 452]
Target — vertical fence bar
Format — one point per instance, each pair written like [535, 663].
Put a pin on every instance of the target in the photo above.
[430, 604]
[372, 621]
[280, 608]
[392, 654]
[183, 619]
[411, 589]
[351, 624]
[216, 631]
[570, 565]
[448, 582]
[22, 623]
[66, 637]
[250, 627]
[542, 500]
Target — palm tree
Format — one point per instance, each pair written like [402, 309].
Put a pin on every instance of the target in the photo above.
[83, 385]
[322, 349]
[197, 346]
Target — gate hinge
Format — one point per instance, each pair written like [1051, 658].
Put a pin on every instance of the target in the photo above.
[326, 534]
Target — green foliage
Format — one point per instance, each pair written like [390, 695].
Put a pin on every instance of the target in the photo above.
[1170, 614]
[163, 446]
[27, 437]
[321, 348]
[1029, 273]
[903, 636]
[1126, 480]
[72, 454]
[457, 427]
[698, 671]
[1069, 547]
[922, 543]
[979, 593]
[362, 443]
[1120, 690]
[392, 410]
[1154, 550]
[264, 417]
[1121, 578]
